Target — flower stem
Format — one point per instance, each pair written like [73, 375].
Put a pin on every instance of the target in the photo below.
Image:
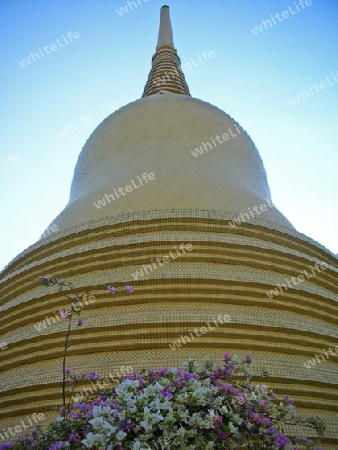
[64, 364]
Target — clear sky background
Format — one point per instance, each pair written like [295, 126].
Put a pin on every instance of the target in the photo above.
[252, 77]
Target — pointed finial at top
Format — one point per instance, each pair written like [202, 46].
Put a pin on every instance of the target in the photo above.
[165, 34]
[166, 73]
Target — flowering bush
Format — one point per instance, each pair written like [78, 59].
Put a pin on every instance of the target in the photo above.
[193, 408]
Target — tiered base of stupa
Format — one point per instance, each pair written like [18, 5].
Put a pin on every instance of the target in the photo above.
[229, 270]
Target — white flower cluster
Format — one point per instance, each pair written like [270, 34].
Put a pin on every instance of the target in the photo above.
[186, 410]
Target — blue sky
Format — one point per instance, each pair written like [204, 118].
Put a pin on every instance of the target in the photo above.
[253, 76]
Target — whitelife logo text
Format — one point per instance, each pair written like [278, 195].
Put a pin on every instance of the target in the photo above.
[123, 191]
[32, 57]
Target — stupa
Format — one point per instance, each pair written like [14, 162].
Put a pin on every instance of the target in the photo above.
[170, 195]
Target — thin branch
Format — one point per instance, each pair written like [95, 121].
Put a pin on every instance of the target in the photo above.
[64, 363]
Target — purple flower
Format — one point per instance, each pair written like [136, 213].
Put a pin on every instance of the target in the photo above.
[226, 357]
[79, 322]
[112, 289]
[61, 281]
[63, 314]
[92, 376]
[287, 400]
[129, 289]
[82, 406]
[281, 440]
[45, 278]
[248, 358]
[67, 371]
[271, 430]
[167, 393]
[223, 436]
[128, 426]
[59, 445]
[74, 437]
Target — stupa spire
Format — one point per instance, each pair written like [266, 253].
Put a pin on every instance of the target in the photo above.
[166, 74]
[165, 33]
